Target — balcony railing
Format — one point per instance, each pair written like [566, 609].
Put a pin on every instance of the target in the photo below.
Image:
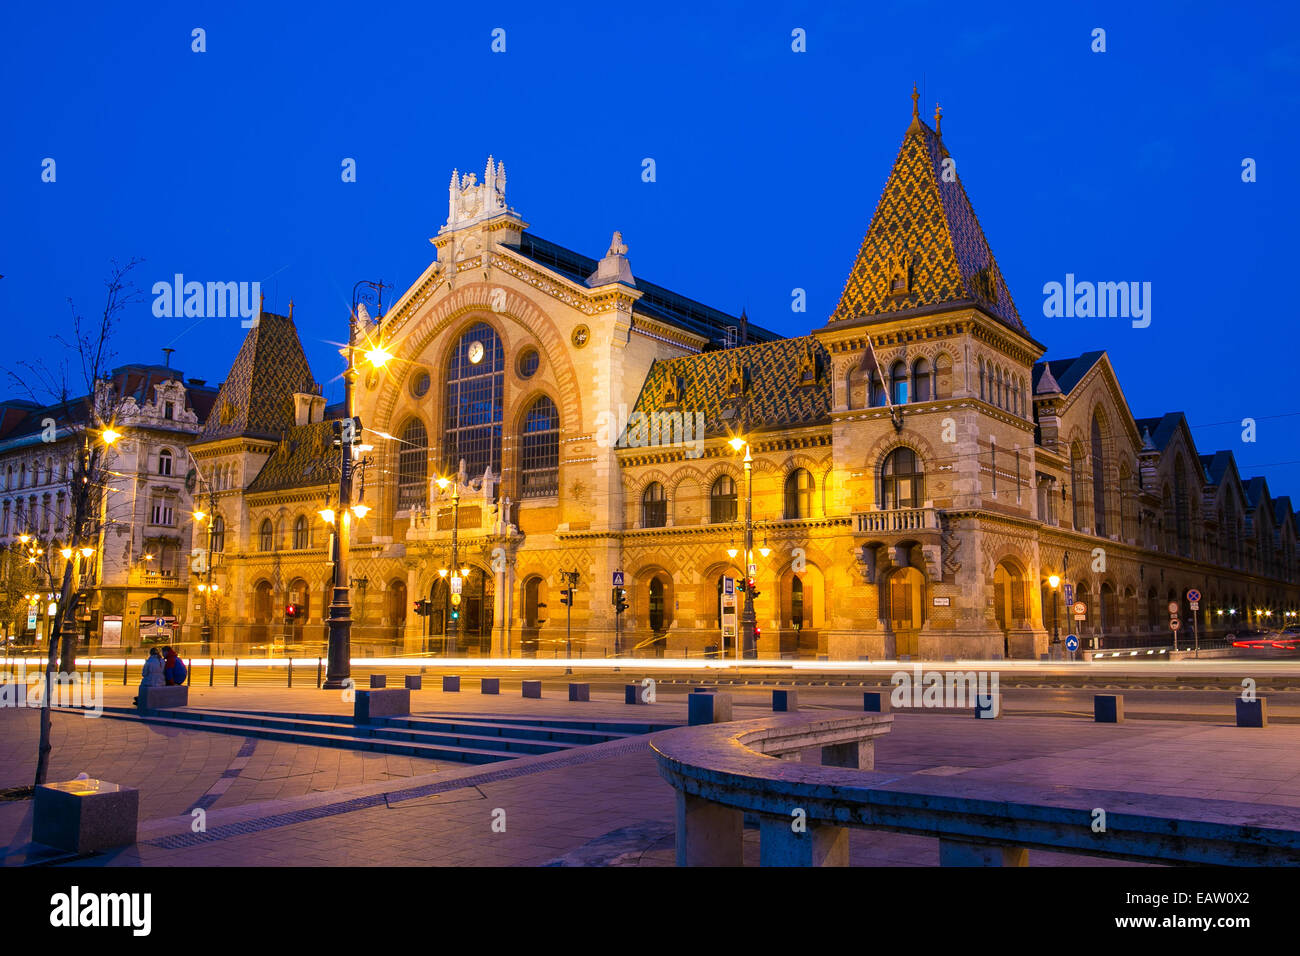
[897, 519]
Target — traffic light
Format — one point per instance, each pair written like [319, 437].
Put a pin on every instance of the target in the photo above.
[566, 597]
[749, 586]
[422, 608]
[349, 429]
[619, 600]
[291, 611]
[455, 614]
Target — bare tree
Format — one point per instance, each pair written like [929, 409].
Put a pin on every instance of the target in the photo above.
[89, 420]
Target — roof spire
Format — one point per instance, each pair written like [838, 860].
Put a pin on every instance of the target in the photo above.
[291, 308]
[938, 115]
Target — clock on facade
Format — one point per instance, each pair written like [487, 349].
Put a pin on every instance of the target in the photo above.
[475, 352]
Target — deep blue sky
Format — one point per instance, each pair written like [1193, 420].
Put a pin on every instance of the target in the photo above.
[225, 165]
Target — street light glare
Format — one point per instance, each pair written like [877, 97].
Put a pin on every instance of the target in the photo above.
[1054, 580]
[360, 510]
[379, 356]
[110, 436]
[327, 514]
[737, 443]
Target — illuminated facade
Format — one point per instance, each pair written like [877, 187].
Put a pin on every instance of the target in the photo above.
[592, 411]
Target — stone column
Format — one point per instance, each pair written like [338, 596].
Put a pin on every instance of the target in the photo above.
[813, 844]
[708, 834]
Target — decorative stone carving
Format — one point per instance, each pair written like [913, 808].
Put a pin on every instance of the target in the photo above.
[950, 543]
[469, 201]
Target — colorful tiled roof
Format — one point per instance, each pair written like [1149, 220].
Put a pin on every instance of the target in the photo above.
[256, 399]
[305, 458]
[925, 229]
[770, 395]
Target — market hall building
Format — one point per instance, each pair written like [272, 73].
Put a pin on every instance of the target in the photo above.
[913, 504]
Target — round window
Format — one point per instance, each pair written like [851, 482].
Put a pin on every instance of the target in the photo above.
[529, 360]
[420, 384]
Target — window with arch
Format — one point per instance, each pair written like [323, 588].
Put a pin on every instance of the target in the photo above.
[796, 602]
[475, 384]
[654, 506]
[898, 383]
[301, 538]
[539, 456]
[902, 483]
[722, 500]
[1098, 478]
[266, 536]
[922, 380]
[876, 391]
[218, 533]
[412, 465]
[164, 462]
[798, 494]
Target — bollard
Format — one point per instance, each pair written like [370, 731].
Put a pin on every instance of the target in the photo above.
[189, 669]
[414, 682]
[708, 709]
[490, 685]
[580, 692]
[631, 693]
[212, 670]
[378, 680]
[532, 689]
[1252, 713]
[236, 671]
[318, 672]
[291, 672]
[450, 684]
[1108, 708]
[124, 663]
[785, 701]
[874, 702]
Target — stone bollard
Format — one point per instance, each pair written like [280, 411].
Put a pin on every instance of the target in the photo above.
[450, 684]
[708, 709]
[1108, 708]
[414, 682]
[785, 701]
[874, 702]
[532, 688]
[631, 693]
[82, 816]
[1252, 713]
[490, 685]
[381, 702]
[580, 692]
[378, 680]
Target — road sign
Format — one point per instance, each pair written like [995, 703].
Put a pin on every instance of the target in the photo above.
[1174, 625]
[1194, 605]
[728, 585]
[1072, 643]
[618, 579]
[457, 582]
[31, 617]
[1173, 607]
[753, 570]
[1069, 594]
[159, 623]
[1080, 609]
[1193, 595]
[455, 599]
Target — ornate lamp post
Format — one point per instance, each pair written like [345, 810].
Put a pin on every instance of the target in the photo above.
[748, 620]
[1055, 582]
[451, 623]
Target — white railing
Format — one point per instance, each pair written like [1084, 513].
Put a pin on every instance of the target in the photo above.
[897, 519]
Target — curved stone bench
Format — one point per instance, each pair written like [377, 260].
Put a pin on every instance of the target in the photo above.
[723, 771]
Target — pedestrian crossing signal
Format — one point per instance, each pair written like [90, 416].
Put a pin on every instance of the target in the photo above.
[566, 597]
[619, 600]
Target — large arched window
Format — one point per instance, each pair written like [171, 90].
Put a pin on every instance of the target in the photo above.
[922, 381]
[798, 494]
[1098, 478]
[539, 458]
[722, 500]
[218, 534]
[265, 536]
[413, 466]
[475, 382]
[898, 383]
[164, 463]
[300, 536]
[654, 507]
[902, 483]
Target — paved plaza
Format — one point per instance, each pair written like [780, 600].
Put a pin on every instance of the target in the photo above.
[271, 803]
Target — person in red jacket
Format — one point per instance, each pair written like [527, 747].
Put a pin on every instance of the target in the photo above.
[173, 668]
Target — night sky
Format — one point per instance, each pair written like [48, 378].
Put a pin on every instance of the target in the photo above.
[225, 165]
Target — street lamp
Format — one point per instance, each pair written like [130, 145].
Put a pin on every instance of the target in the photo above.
[748, 621]
[340, 616]
[1055, 581]
[451, 622]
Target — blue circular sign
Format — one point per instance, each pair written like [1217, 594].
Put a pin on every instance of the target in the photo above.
[1072, 643]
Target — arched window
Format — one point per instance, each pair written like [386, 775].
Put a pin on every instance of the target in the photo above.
[413, 466]
[1098, 478]
[796, 603]
[164, 462]
[654, 507]
[722, 500]
[877, 391]
[1182, 524]
[922, 386]
[265, 536]
[218, 533]
[898, 383]
[902, 483]
[300, 536]
[475, 383]
[798, 494]
[656, 605]
[983, 390]
[539, 461]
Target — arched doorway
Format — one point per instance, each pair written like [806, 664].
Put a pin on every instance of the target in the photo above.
[300, 598]
[395, 608]
[262, 612]
[1009, 601]
[472, 614]
[534, 614]
[906, 595]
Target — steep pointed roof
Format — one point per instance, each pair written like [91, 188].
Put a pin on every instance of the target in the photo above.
[925, 229]
[256, 399]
